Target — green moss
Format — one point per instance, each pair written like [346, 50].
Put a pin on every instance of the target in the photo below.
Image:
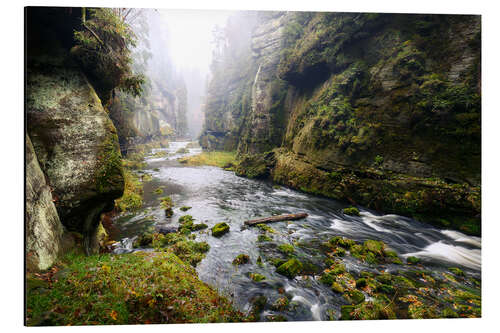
[337, 287]
[412, 260]
[265, 227]
[457, 271]
[354, 296]
[215, 158]
[220, 229]
[291, 268]
[186, 219]
[115, 293]
[257, 277]
[351, 211]
[131, 200]
[185, 208]
[377, 247]
[241, 259]
[158, 191]
[264, 238]
[286, 249]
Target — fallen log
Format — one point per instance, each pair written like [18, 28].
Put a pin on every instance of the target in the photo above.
[277, 218]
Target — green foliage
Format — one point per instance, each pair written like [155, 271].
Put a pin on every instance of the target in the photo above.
[103, 49]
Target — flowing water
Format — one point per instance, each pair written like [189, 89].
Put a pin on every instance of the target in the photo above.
[216, 195]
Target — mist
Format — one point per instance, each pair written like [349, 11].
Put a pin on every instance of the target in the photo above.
[181, 46]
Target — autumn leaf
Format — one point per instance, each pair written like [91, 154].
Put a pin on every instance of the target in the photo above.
[113, 314]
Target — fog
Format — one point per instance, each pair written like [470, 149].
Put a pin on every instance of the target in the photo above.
[180, 44]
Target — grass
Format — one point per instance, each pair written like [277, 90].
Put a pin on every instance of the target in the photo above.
[219, 159]
[136, 288]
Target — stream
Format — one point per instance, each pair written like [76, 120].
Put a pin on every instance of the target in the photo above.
[216, 195]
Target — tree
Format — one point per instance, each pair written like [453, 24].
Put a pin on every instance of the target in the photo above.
[104, 50]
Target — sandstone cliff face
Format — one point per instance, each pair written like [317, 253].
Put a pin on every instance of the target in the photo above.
[74, 139]
[44, 230]
[376, 109]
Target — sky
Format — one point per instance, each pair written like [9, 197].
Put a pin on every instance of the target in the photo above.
[191, 35]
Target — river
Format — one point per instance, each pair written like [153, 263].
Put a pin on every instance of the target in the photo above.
[216, 195]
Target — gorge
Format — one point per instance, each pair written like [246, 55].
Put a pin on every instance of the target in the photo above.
[139, 179]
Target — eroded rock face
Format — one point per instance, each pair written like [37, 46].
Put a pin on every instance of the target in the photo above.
[378, 109]
[75, 141]
[44, 230]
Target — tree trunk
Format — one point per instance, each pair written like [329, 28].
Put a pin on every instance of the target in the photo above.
[277, 218]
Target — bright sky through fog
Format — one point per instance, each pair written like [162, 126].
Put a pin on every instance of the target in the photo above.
[191, 36]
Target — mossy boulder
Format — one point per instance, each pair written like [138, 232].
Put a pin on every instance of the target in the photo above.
[351, 211]
[354, 296]
[412, 260]
[286, 249]
[376, 247]
[220, 229]
[74, 139]
[241, 259]
[264, 238]
[291, 268]
[337, 287]
[257, 277]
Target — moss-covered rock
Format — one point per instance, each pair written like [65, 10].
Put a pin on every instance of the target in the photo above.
[354, 296]
[291, 268]
[257, 277]
[351, 211]
[241, 259]
[412, 260]
[286, 249]
[220, 229]
[74, 140]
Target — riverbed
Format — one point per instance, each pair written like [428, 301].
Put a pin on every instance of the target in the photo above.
[217, 195]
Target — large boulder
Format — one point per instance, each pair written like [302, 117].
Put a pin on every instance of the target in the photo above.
[44, 231]
[75, 141]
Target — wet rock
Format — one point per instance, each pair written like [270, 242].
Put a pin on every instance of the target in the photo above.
[241, 259]
[165, 229]
[257, 277]
[220, 229]
[351, 211]
[291, 268]
[412, 260]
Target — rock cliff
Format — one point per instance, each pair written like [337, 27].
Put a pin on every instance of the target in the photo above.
[44, 230]
[381, 110]
[73, 137]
